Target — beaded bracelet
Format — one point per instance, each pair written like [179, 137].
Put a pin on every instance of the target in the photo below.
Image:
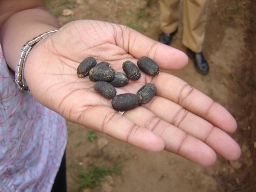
[19, 74]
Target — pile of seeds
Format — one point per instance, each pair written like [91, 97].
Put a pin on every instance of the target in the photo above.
[106, 79]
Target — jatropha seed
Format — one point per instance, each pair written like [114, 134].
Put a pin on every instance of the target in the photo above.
[105, 89]
[102, 72]
[120, 80]
[106, 79]
[147, 92]
[131, 70]
[85, 66]
[125, 102]
[148, 66]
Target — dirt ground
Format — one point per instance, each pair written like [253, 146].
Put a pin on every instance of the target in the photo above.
[230, 48]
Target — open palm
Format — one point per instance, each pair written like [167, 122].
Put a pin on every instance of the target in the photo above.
[179, 119]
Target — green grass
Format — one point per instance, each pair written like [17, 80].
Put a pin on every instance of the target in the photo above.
[133, 26]
[78, 143]
[142, 14]
[235, 78]
[92, 176]
[70, 132]
[91, 135]
[93, 173]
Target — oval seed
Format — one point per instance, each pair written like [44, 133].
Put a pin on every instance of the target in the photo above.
[131, 70]
[105, 89]
[125, 102]
[102, 72]
[148, 66]
[120, 80]
[85, 66]
[147, 92]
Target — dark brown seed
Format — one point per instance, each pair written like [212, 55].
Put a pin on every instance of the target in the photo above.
[125, 102]
[147, 92]
[102, 72]
[105, 89]
[148, 66]
[85, 66]
[120, 80]
[131, 70]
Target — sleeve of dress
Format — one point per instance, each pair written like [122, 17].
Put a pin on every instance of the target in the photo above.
[32, 138]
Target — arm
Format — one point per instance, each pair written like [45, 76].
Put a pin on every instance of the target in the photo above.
[180, 119]
[21, 21]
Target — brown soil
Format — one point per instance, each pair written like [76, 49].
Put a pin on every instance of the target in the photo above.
[230, 50]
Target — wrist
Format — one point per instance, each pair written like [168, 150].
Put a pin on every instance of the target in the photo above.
[26, 48]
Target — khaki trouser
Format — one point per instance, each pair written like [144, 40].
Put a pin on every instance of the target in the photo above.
[194, 20]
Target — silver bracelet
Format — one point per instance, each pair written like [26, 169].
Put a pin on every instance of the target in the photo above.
[19, 73]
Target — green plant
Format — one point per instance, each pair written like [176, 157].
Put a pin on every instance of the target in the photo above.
[133, 26]
[234, 77]
[142, 13]
[92, 176]
[91, 135]
[78, 143]
[70, 132]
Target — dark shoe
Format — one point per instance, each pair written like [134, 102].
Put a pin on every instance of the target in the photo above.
[166, 38]
[200, 63]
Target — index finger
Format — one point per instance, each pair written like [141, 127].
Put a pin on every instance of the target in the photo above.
[139, 45]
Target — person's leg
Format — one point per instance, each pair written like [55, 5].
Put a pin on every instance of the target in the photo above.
[169, 19]
[60, 183]
[169, 15]
[194, 21]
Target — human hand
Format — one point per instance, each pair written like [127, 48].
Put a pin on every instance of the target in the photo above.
[179, 119]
